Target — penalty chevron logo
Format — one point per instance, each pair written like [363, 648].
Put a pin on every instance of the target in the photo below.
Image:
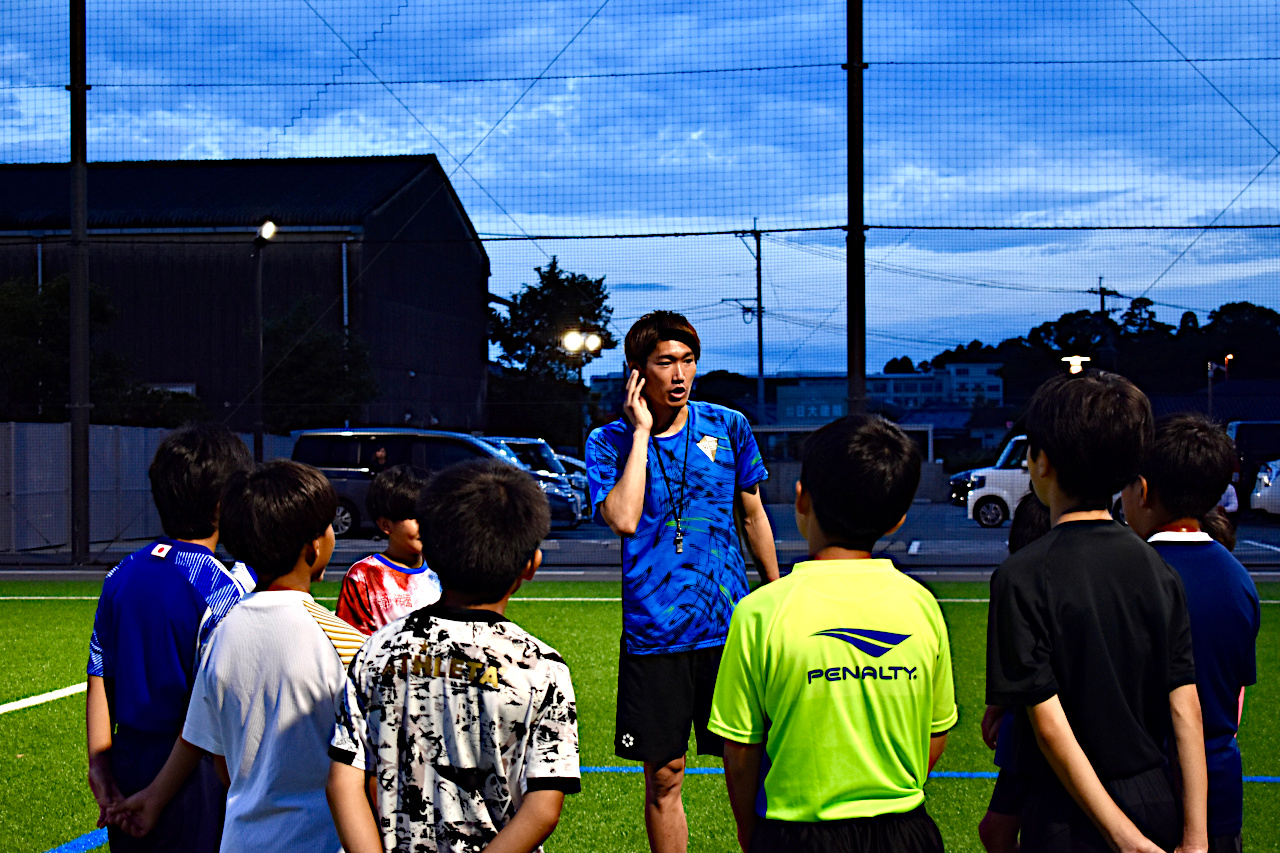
[874, 643]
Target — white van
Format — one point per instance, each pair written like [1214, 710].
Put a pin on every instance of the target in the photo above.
[995, 491]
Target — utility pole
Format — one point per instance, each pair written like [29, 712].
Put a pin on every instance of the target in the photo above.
[1103, 293]
[855, 236]
[79, 327]
[760, 419]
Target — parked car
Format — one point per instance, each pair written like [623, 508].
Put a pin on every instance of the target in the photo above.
[577, 471]
[1256, 443]
[1266, 489]
[536, 455]
[351, 458]
[990, 494]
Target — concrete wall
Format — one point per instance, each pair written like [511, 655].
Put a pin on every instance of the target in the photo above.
[35, 494]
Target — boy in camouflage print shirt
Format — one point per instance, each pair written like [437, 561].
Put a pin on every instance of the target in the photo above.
[459, 723]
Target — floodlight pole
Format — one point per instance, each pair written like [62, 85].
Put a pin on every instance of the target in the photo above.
[855, 236]
[78, 404]
[257, 352]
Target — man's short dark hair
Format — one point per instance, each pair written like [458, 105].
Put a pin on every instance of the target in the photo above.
[480, 523]
[188, 475]
[1030, 522]
[1189, 464]
[1094, 427]
[861, 474]
[269, 515]
[646, 333]
[393, 494]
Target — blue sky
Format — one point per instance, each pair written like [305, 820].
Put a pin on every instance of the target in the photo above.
[663, 117]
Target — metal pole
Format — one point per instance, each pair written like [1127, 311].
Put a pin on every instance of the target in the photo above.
[1210, 372]
[855, 238]
[257, 369]
[79, 325]
[760, 418]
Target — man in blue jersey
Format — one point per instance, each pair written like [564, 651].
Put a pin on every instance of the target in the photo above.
[667, 478]
[157, 609]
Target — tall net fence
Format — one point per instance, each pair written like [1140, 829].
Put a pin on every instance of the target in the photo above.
[1022, 161]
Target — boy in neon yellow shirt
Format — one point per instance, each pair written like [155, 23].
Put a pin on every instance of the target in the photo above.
[835, 692]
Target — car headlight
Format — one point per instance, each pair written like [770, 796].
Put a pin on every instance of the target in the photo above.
[976, 482]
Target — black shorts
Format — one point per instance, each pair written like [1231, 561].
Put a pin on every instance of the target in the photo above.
[1053, 822]
[1010, 794]
[659, 698]
[909, 832]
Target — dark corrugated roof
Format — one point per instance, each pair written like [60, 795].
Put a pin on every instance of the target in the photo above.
[208, 193]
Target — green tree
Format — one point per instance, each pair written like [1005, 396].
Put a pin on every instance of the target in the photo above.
[899, 365]
[35, 362]
[315, 377]
[534, 389]
[529, 333]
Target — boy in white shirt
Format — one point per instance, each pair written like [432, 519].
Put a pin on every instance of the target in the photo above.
[267, 690]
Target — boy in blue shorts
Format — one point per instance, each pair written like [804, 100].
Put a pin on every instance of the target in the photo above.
[1187, 468]
[668, 477]
[156, 612]
[1089, 640]
[835, 692]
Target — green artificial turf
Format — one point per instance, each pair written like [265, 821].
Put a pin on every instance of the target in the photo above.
[45, 801]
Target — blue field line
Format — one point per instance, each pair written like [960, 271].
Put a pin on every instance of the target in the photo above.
[88, 841]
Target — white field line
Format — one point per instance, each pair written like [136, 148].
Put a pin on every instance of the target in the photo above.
[915, 547]
[1260, 544]
[51, 696]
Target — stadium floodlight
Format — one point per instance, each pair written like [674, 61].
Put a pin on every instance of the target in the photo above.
[1076, 362]
[573, 341]
[266, 231]
[593, 342]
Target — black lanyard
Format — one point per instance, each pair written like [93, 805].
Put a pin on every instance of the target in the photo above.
[679, 507]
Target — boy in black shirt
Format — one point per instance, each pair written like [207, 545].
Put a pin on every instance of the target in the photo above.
[1088, 635]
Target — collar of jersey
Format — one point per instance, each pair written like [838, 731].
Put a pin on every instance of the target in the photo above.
[182, 546]
[1180, 536]
[688, 424]
[404, 570]
[867, 564]
[463, 614]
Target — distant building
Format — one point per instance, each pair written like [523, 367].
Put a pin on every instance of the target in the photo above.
[381, 245]
[953, 385]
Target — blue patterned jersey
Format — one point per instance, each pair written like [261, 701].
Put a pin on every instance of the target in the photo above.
[677, 602]
[157, 609]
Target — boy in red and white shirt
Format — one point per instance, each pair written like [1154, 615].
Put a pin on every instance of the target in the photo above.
[383, 587]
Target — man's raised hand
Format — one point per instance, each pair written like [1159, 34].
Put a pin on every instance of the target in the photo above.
[635, 407]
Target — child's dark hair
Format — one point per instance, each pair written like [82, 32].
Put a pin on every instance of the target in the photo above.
[188, 475]
[1216, 523]
[269, 515]
[1189, 464]
[657, 326]
[1030, 522]
[1094, 427]
[480, 523]
[393, 494]
[861, 473]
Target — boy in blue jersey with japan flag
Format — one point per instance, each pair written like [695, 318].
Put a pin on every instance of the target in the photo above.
[667, 478]
[156, 612]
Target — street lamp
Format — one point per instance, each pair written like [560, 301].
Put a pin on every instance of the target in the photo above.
[266, 231]
[581, 346]
[1076, 362]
